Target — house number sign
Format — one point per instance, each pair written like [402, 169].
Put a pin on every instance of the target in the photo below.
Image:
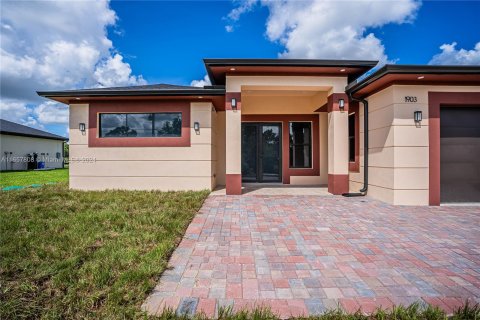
[410, 99]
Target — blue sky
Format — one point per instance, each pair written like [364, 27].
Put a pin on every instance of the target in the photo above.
[51, 45]
[166, 41]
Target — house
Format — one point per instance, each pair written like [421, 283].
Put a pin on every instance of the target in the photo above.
[24, 148]
[298, 122]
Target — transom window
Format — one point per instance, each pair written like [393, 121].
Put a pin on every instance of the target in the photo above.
[165, 124]
[300, 144]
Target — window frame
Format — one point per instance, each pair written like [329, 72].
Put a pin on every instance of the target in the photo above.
[310, 145]
[354, 166]
[101, 136]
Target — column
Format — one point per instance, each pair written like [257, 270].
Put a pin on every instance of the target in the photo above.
[233, 145]
[337, 144]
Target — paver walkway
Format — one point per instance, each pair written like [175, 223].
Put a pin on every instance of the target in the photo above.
[305, 254]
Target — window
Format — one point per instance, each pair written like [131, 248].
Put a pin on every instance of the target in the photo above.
[351, 137]
[300, 144]
[114, 125]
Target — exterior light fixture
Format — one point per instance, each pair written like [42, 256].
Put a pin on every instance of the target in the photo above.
[420, 77]
[342, 70]
[196, 127]
[417, 116]
[341, 104]
[81, 127]
[234, 104]
[232, 69]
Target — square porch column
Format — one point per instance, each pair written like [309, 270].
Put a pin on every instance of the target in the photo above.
[233, 144]
[337, 144]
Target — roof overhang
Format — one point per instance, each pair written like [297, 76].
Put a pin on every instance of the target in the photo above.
[414, 75]
[218, 69]
[216, 94]
[59, 138]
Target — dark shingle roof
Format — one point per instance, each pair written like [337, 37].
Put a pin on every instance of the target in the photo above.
[15, 129]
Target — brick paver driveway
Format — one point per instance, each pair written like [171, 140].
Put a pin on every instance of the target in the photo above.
[305, 254]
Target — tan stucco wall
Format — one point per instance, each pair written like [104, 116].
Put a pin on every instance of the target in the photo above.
[329, 84]
[220, 147]
[398, 151]
[282, 104]
[21, 146]
[145, 168]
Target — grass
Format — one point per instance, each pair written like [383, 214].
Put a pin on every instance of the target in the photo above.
[415, 311]
[93, 255]
[26, 178]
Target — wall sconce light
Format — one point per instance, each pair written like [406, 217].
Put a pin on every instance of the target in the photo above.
[341, 104]
[196, 127]
[234, 104]
[417, 116]
[81, 127]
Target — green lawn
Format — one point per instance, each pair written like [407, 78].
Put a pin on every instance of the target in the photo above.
[26, 178]
[74, 254]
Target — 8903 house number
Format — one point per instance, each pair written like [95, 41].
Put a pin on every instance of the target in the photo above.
[410, 99]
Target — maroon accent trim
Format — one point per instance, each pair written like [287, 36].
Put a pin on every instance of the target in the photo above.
[435, 101]
[138, 107]
[323, 108]
[285, 119]
[233, 184]
[338, 183]
[332, 101]
[228, 100]
[355, 165]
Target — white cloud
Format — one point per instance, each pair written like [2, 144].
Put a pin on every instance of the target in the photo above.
[235, 14]
[51, 112]
[201, 83]
[13, 110]
[451, 56]
[51, 45]
[325, 29]
[114, 71]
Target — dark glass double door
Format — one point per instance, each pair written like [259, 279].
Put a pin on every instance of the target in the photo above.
[261, 152]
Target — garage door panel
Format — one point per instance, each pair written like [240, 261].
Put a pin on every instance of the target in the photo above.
[460, 154]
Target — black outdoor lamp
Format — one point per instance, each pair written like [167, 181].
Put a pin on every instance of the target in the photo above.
[234, 104]
[81, 126]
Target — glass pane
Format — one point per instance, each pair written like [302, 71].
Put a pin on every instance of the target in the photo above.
[300, 144]
[139, 124]
[113, 125]
[168, 124]
[351, 137]
[271, 152]
[249, 152]
[300, 156]
[300, 132]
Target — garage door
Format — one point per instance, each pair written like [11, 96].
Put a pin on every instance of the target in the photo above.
[459, 154]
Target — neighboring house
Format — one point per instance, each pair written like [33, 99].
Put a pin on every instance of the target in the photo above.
[24, 148]
[295, 122]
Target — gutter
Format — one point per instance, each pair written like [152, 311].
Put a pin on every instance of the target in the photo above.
[363, 191]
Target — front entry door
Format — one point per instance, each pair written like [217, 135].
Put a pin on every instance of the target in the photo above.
[261, 152]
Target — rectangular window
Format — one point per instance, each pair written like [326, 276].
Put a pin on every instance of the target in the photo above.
[351, 137]
[115, 125]
[300, 144]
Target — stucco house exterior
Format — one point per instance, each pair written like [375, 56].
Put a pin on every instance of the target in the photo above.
[297, 122]
[23, 147]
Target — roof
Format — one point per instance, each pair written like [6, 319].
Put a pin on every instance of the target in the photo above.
[169, 91]
[15, 129]
[414, 75]
[218, 68]
[144, 90]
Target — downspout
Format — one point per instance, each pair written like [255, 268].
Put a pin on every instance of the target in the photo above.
[363, 191]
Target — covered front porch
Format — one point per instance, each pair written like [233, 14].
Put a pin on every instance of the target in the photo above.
[291, 131]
